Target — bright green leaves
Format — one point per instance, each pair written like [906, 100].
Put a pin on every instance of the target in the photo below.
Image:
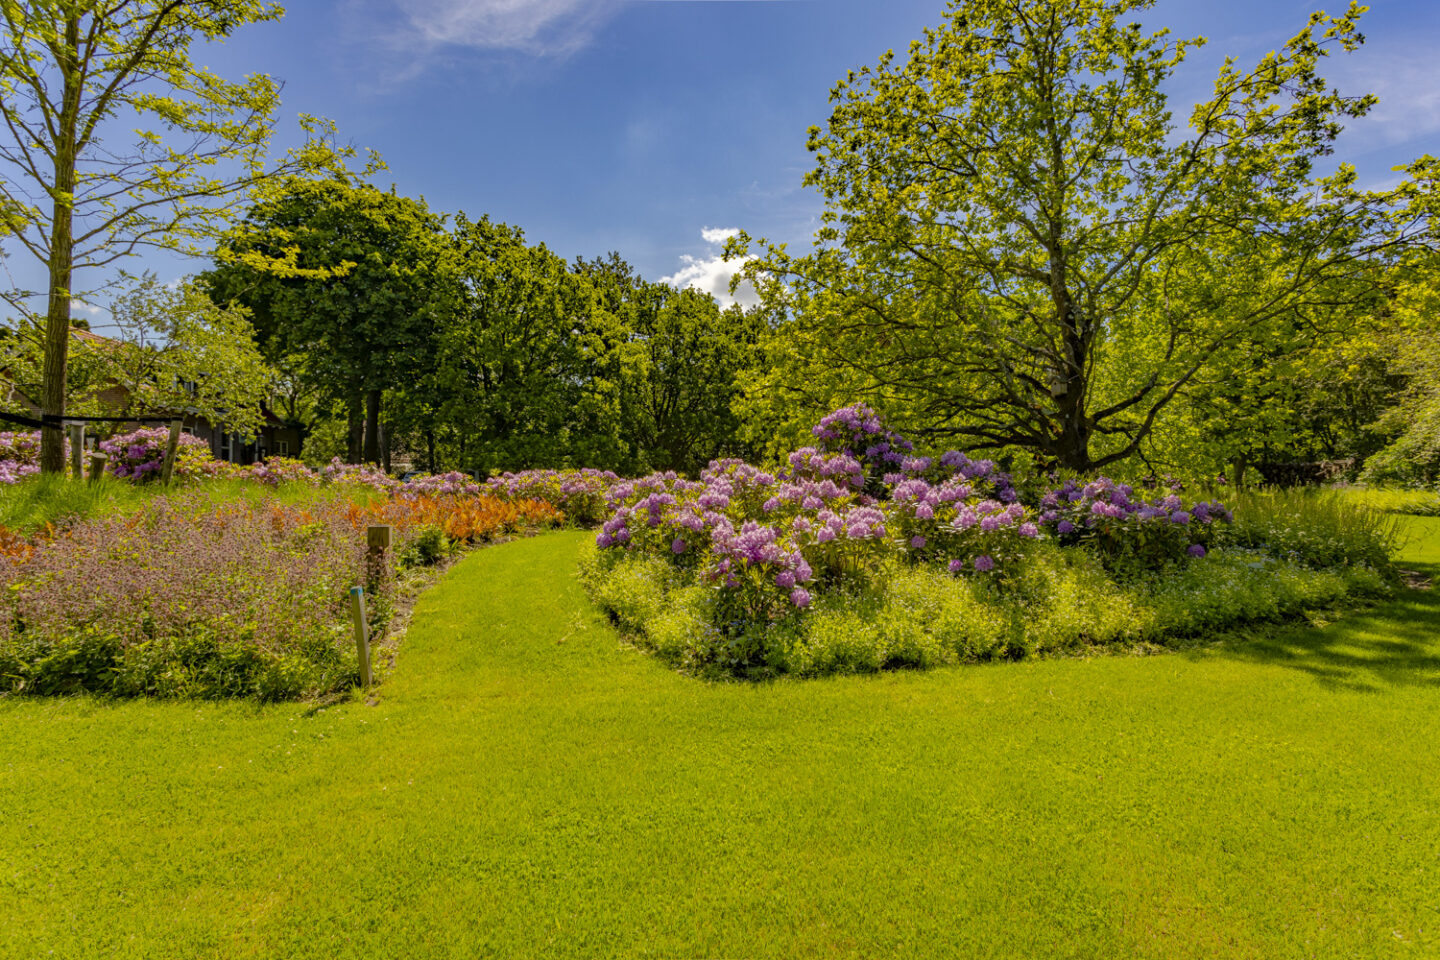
[179, 351]
[1022, 249]
[342, 279]
[134, 145]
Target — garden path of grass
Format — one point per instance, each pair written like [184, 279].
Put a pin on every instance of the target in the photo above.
[527, 786]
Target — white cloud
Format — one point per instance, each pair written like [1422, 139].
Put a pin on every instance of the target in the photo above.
[540, 27]
[713, 273]
[83, 307]
[417, 28]
[718, 234]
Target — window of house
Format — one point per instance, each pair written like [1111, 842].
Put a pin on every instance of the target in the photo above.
[282, 447]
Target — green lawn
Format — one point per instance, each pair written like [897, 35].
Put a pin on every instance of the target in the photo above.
[528, 786]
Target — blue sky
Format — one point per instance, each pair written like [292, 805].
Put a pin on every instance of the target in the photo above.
[636, 125]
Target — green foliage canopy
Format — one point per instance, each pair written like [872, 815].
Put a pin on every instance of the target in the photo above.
[73, 75]
[1021, 249]
[341, 278]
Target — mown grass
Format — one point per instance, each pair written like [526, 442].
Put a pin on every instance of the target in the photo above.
[1417, 502]
[528, 786]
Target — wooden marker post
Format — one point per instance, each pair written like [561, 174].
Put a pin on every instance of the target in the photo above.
[362, 634]
[77, 450]
[172, 445]
[377, 539]
[97, 465]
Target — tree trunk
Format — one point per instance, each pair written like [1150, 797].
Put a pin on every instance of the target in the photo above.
[385, 446]
[62, 260]
[430, 451]
[1241, 465]
[355, 429]
[57, 346]
[1068, 389]
[371, 453]
[1073, 448]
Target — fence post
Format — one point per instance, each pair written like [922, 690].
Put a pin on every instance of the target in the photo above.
[171, 446]
[377, 540]
[362, 634]
[97, 465]
[77, 450]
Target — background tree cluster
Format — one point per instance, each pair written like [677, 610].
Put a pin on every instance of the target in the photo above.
[1025, 249]
[460, 345]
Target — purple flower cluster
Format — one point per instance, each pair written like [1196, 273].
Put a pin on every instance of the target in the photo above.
[962, 517]
[274, 471]
[20, 454]
[12, 471]
[582, 495]
[1116, 520]
[20, 446]
[857, 430]
[453, 482]
[141, 455]
[359, 474]
[834, 468]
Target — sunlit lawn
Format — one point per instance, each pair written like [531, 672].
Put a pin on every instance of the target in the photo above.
[528, 786]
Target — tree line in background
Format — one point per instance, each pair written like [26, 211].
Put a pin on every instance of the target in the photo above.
[1021, 253]
[459, 345]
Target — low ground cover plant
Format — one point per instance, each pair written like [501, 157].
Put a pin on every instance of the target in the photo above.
[859, 554]
[188, 595]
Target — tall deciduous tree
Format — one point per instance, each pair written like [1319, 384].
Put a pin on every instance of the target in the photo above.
[518, 379]
[79, 189]
[342, 280]
[1022, 249]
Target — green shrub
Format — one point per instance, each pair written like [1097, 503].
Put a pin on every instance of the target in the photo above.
[1062, 599]
[201, 664]
[1053, 601]
[631, 589]
[427, 547]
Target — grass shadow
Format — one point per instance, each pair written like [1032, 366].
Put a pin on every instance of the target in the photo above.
[1395, 643]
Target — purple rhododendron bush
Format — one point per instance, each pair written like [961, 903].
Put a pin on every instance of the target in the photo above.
[859, 554]
[583, 495]
[20, 454]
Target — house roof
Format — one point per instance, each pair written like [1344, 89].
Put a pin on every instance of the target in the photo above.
[85, 336]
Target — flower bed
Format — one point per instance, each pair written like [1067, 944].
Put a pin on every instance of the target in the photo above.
[189, 597]
[583, 495]
[822, 565]
[20, 454]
